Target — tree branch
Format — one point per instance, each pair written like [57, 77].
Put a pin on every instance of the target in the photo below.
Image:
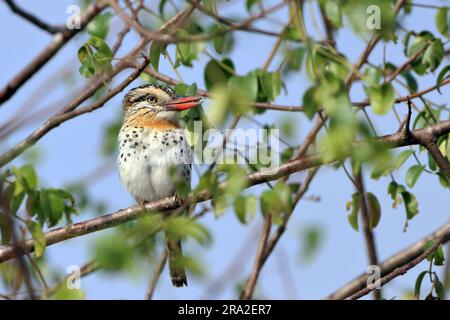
[33, 19]
[155, 275]
[167, 38]
[368, 234]
[390, 264]
[170, 203]
[411, 264]
[59, 40]
[250, 284]
[68, 112]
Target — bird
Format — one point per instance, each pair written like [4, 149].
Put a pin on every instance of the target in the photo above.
[154, 154]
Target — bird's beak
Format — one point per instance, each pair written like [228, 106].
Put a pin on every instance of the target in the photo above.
[183, 103]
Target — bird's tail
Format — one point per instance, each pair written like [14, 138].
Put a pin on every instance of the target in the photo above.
[175, 258]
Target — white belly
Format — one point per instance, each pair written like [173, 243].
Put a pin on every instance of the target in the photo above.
[152, 162]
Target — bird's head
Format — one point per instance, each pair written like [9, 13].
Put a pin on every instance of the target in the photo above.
[158, 103]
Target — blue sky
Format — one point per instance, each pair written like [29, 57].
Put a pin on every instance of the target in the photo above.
[72, 151]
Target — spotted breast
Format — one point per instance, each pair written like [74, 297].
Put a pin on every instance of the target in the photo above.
[152, 161]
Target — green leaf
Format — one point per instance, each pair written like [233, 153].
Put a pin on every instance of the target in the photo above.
[28, 175]
[354, 206]
[393, 188]
[245, 207]
[312, 239]
[183, 89]
[333, 12]
[250, 3]
[310, 102]
[16, 202]
[374, 210]
[86, 72]
[433, 55]
[413, 174]
[247, 84]
[441, 77]
[443, 180]
[411, 205]
[402, 157]
[85, 55]
[52, 204]
[439, 258]
[64, 293]
[410, 81]
[419, 284]
[239, 208]
[162, 4]
[95, 57]
[218, 110]
[442, 21]
[186, 52]
[372, 76]
[100, 45]
[277, 201]
[283, 193]
[293, 59]
[155, 53]
[38, 238]
[271, 84]
[439, 287]
[382, 98]
[217, 73]
[99, 27]
[185, 227]
[113, 253]
[236, 180]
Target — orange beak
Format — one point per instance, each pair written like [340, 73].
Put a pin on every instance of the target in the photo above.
[183, 103]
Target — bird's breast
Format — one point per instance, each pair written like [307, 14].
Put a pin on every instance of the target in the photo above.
[151, 161]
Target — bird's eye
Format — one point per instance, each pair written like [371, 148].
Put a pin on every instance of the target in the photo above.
[152, 99]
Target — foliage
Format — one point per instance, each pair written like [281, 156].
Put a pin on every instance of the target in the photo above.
[327, 80]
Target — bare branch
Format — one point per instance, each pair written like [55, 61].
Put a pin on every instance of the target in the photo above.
[390, 264]
[33, 19]
[59, 40]
[69, 112]
[411, 264]
[250, 284]
[368, 234]
[170, 203]
[155, 276]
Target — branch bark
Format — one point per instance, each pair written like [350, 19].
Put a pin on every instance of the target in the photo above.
[59, 40]
[395, 140]
[68, 112]
[368, 234]
[33, 19]
[391, 264]
[250, 284]
[402, 270]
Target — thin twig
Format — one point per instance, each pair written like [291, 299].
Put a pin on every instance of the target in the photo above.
[250, 284]
[59, 40]
[368, 234]
[402, 270]
[390, 264]
[33, 19]
[155, 275]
